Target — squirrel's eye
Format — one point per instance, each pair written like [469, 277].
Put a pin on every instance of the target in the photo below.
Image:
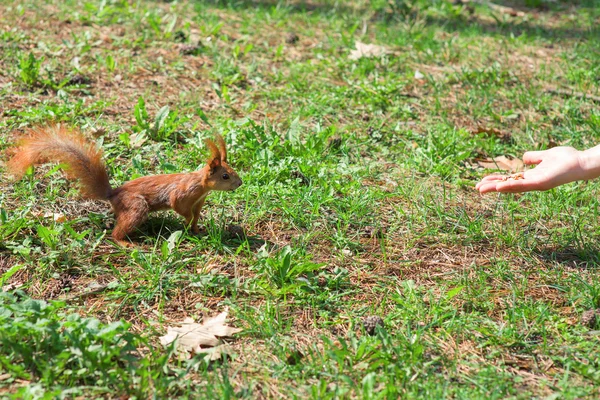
[225, 176]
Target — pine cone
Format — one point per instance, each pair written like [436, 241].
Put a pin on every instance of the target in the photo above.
[79, 79]
[53, 289]
[292, 38]
[66, 282]
[299, 175]
[180, 36]
[590, 318]
[371, 322]
[190, 49]
[236, 231]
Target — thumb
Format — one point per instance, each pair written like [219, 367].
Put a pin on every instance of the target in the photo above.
[534, 157]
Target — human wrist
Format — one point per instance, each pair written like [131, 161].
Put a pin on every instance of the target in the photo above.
[589, 162]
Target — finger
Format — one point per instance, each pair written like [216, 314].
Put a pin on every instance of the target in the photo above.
[487, 187]
[495, 177]
[483, 183]
[521, 185]
[489, 179]
[533, 157]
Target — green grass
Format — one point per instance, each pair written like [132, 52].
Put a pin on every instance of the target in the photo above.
[357, 200]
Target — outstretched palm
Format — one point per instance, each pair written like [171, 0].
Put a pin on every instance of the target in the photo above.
[554, 167]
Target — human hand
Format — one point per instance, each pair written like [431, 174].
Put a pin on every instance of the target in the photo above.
[554, 167]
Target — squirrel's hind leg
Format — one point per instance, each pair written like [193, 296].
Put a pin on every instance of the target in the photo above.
[134, 213]
[196, 216]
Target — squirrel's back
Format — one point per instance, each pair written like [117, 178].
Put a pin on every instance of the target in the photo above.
[82, 159]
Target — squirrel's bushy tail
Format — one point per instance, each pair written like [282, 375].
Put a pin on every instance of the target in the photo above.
[82, 159]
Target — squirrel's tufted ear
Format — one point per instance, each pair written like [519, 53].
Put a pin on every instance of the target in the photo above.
[214, 160]
[222, 148]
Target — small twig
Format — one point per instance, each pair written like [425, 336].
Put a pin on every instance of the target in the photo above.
[409, 95]
[496, 7]
[95, 289]
[571, 93]
[506, 10]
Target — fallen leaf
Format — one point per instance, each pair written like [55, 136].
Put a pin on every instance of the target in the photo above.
[137, 139]
[191, 337]
[12, 286]
[503, 163]
[496, 7]
[367, 50]
[506, 10]
[504, 136]
[194, 37]
[57, 217]
[215, 353]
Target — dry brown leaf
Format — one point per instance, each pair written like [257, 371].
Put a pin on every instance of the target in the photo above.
[11, 286]
[506, 10]
[504, 163]
[480, 129]
[137, 139]
[195, 35]
[215, 353]
[57, 217]
[367, 50]
[496, 7]
[192, 337]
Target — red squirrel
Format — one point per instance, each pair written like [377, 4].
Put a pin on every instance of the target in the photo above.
[184, 192]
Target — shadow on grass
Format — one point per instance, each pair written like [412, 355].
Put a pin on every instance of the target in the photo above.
[513, 27]
[571, 257]
[231, 235]
[451, 22]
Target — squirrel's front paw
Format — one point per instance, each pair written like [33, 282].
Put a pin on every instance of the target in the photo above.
[196, 230]
[124, 243]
